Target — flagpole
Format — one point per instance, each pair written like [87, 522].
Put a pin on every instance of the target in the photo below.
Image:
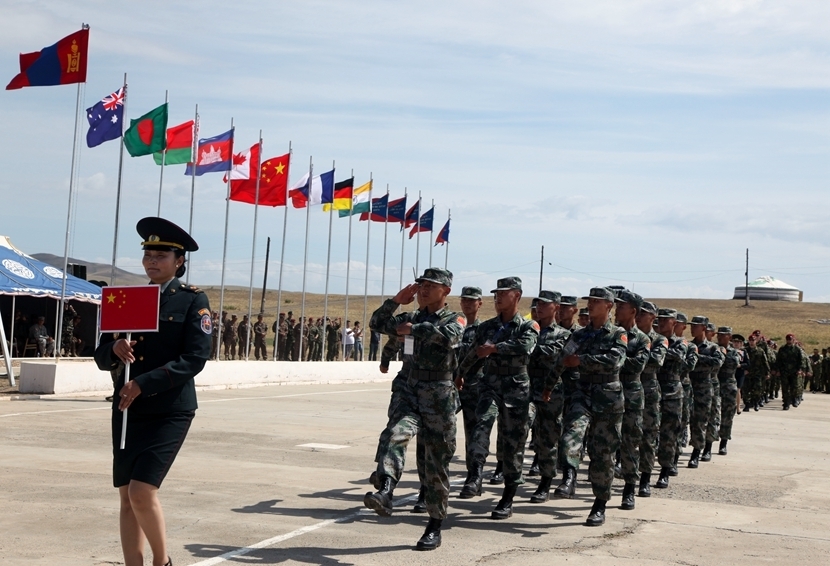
[225, 244]
[163, 159]
[194, 149]
[253, 250]
[305, 257]
[447, 250]
[282, 253]
[366, 276]
[431, 232]
[385, 232]
[348, 265]
[118, 187]
[403, 236]
[328, 266]
[418, 236]
[75, 137]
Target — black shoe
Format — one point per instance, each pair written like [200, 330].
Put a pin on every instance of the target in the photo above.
[693, 459]
[618, 471]
[472, 487]
[663, 480]
[108, 399]
[504, 509]
[684, 442]
[381, 502]
[421, 504]
[796, 403]
[776, 394]
[645, 485]
[628, 497]
[722, 447]
[169, 562]
[498, 475]
[542, 493]
[567, 488]
[757, 406]
[597, 516]
[373, 479]
[431, 538]
[706, 456]
[786, 407]
[673, 469]
[534, 468]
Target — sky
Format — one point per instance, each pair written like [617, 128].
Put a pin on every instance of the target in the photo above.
[642, 143]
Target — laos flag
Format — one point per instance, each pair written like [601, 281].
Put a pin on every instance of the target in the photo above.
[60, 64]
[214, 155]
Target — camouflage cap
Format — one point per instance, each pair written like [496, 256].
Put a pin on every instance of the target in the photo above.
[681, 318]
[710, 327]
[700, 320]
[724, 330]
[667, 313]
[549, 297]
[583, 311]
[649, 307]
[508, 284]
[602, 293]
[630, 297]
[568, 300]
[436, 275]
[533, 304]
[470, 293]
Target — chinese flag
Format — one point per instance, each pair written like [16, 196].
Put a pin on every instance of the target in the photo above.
[273, 184]
[130, 309]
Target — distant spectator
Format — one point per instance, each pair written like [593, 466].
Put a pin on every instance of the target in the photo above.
[348, 341]
[45, 343]
[374, 344]
[358, 341]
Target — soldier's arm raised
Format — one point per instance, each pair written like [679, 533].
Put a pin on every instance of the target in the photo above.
[523, 343]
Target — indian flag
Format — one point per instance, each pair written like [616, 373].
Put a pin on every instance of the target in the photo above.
[361, 200]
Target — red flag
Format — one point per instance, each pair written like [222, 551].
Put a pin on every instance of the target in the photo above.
[130, 309]
[60, 64]
[273, 184]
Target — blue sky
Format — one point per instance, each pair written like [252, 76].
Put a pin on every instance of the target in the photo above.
[642, 143]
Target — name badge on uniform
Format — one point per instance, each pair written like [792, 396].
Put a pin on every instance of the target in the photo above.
[570, 347]
[408, 345]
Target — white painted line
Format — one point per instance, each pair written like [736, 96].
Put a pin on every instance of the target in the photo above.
[322, 446]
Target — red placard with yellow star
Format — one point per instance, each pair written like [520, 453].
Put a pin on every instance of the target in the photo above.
[130, 309]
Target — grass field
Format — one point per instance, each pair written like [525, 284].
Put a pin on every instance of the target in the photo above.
[775, 319]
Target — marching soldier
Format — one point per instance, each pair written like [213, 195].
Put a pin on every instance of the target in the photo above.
[709, 359]
[651, 395]
[671, 395]
[713, 425]
[728, 386]
[686, 383]
[260, 334]
[229, 337]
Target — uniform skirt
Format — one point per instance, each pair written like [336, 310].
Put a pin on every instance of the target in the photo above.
[153, 441]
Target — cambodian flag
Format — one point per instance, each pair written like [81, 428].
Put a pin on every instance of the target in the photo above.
[214, 155]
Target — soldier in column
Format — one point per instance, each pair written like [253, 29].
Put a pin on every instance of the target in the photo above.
[290, 323]
[505, 343]
[637, 355]
[671, 395]
[757, 373]
[280, 329]
[260, 334]
[598, 352]
[686, 382]
[428, 401]
[713, 422]
[242, 335]
[709, 359]
[229, 337]
[298, 343]
[788, 365]
[728, 386]
[815, 365]
[651, 395]
[584, 317]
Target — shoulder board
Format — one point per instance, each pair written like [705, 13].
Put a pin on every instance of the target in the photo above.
[191, 289]
[204, 311]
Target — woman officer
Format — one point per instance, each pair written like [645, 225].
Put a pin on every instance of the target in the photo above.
[161, 395]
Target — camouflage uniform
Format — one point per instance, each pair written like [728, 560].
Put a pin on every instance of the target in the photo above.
[806, 373]
[597, 400]
[709, 359]
[728, 388]
[427, 402]
[651, 408]
[756, 375]
[789, 364]
[671, 394]
[713, 422]
[504, 390]
[688, 392]
[637, 356]
[260, 333]
[470, 392]
[772, 385]
[244, 338]
[313, 333]
[825, 371]
[332, 341]
[815, 366]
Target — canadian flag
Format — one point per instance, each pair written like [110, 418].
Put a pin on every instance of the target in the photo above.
[244, 166]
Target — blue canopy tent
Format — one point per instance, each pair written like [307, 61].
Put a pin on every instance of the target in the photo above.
[23, 278]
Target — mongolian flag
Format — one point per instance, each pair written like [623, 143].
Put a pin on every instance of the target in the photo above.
[130, 309]
[213, 155]
[443, 235]
[424, 223]
[60, 64]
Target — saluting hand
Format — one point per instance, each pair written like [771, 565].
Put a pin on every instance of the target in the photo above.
[407, 294]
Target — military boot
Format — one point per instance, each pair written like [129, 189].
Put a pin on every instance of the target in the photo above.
[534, 467]
[673, 469]
[431, 538]
[694, 459]
[618, 466]
[597, 516]
[722, 447]
[504, 509]
[373, 479]
[472, 486]
[567, 488]
[628, 497]
[421, 504]
[706, 456]
[663, 480]
[381, 502]
[542, 493]
[684, 442]
[498, 475]
[645, 485]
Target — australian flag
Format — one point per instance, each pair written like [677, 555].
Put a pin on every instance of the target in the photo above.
[105, 119]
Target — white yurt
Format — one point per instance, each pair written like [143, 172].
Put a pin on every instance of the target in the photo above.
[768, 288]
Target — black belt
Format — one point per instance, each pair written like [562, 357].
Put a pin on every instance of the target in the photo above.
[726, 376]
[668, 378]
[537, 372]
[699, 376]
[499, 370]
[599, 379]
[634, 377]
[426, 375]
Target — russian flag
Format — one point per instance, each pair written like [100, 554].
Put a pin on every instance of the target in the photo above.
[214, 155]
[322, 190]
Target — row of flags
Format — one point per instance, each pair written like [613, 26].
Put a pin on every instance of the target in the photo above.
[66, 63]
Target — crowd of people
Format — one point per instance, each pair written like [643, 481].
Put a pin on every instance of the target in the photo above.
[623, 384]
[34, 339]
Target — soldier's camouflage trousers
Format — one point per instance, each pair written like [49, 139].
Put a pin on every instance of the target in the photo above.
[506, 398]
[547, 429]
[789, 388]
[469, 401]
[651, 424]
[398, 385]
[753, 387]
[701, 405]
[632, 430]
[713, 424]
[685, 415]
[799, 391]
[671, 410]
[426, 409]
[772, 386]
[729, 406]
[602, 407]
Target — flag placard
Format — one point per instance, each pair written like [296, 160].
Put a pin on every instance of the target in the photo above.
[130, 309]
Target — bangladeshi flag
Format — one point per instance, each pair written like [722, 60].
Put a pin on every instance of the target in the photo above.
[179, 145]
[130, 309]
[147, 134]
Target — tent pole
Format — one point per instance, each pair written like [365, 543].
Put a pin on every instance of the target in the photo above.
[6, 351]
[14, 309]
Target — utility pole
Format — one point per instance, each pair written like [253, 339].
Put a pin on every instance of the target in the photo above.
[746, 280]
[541, 269]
